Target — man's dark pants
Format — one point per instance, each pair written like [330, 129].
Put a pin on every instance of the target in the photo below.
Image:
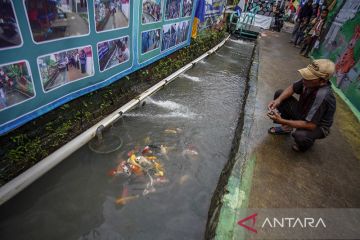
[289, 110]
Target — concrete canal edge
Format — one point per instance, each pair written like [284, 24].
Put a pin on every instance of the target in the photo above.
[232, 192]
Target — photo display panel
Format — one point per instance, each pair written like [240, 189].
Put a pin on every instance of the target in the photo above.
[53, 51]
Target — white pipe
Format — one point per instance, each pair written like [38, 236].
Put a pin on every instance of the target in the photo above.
[16, 185]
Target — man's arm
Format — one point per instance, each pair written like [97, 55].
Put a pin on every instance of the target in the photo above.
[299, 124]
[288, 92]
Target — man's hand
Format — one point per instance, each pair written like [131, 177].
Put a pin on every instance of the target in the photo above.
[275, 116]
[273, 104]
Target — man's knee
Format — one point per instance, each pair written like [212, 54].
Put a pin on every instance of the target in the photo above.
[303, 139]
[278, 93]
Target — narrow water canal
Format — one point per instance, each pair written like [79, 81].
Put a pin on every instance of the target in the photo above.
[185, 131]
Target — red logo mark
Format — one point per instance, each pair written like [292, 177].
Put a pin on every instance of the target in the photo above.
[253, 217]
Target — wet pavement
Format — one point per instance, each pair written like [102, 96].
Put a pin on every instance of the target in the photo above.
[188, 126]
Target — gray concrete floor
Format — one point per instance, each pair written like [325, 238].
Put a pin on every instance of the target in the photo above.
[328, 175]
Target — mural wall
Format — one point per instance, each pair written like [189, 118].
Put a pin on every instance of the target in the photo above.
[52, 51]
[341, 44]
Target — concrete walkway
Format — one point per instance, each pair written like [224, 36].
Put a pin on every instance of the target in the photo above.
[267, 172]
[327, 176]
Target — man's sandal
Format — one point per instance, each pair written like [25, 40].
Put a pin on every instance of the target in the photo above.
[296, 148]
[278, 131]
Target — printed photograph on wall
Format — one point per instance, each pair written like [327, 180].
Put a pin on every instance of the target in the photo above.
[60, 68]
[113, 53]
[50, 20]
[172, 9]
[187, 8]
[182, 30]
[16, 84]
[150, 40]
[9, 30]
[151, 11]
[169, 36]
[111, 14]
[214, 13]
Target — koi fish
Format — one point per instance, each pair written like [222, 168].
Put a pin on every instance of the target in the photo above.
[170, 131]
[190, 152]
[149, 186]
[173, 130]
[121, 168]
[144, 162]
[164, 151]
[124, 200]
[184, 179]
[146, 150]
[131, 153]
[159, 174]
[136, 169]
[147, 140]
[161, 180]
[113, 172]
[151, 158]
[158, 166]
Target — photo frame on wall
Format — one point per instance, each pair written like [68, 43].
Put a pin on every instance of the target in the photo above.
[111, 14]
[151, 11]
[16, 84]
[174, 34]
[113, 53]
[52, 32]
[172, 9]
[57, 20]
[64, 67]
[10, 35]
[187, 8]
[150, 40]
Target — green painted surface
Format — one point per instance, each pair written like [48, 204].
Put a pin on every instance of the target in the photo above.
[238, 197]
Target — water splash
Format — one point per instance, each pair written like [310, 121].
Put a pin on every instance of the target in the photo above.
[238, 41]
[220, 55]
[227, 46]
[192, 78]
[170, 105]
[186, 115]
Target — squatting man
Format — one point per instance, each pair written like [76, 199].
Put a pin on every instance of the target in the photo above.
[312, 115]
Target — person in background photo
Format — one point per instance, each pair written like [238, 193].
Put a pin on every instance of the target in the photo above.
[82, 58]
[3, 103]
[77, 59]
[124, 54]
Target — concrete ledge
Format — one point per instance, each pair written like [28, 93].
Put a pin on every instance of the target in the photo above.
[239, 183]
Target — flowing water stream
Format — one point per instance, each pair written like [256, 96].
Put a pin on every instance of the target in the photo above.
[187, 129]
